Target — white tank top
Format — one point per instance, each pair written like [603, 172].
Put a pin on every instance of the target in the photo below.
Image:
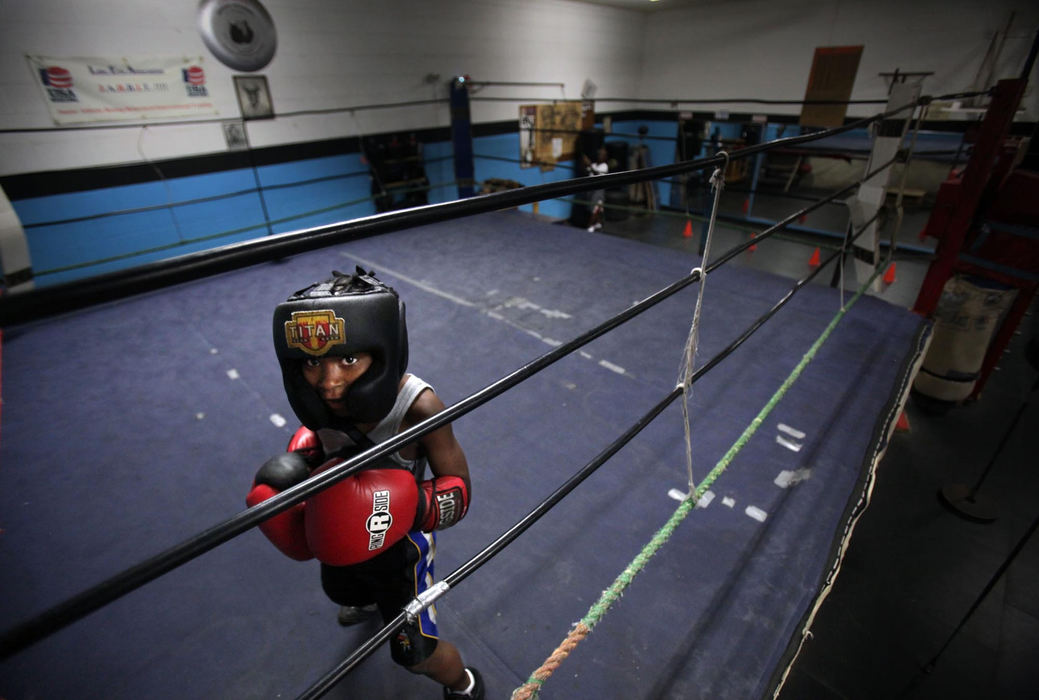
[333, 440]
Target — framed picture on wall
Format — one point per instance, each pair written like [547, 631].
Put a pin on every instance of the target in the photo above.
[235, 135]
[254, 97]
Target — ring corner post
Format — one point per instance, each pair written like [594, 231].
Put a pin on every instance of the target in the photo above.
[462, 136]
[960, 195]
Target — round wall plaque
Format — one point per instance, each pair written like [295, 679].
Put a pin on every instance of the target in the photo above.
[238, 32]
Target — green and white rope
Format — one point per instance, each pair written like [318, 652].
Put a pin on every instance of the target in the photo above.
[532, 687]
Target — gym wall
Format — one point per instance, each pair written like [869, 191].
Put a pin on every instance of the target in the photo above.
[101, 198]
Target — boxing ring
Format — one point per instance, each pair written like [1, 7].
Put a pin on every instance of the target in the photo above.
[129, 426]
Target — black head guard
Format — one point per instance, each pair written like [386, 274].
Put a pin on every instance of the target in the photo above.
[341, 316]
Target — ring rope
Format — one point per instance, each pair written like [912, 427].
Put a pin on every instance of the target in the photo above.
[68, 611]
[69, 296]
[76, 607]
[118, 585]
[531, 689]
[323, 685]
[219, 234]
[320, 688]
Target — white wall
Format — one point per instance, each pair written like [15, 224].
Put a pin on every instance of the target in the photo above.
[341, 53]
[331, 54]
[764, 48]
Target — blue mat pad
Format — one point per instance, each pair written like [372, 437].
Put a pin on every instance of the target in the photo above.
[130, 427]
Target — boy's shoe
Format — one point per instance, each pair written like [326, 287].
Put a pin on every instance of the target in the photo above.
[349, 615]
[476, 693]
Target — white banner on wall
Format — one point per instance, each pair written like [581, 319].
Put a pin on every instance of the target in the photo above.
[81, 90]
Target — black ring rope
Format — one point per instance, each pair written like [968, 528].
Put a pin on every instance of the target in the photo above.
[78, 606]
[265, 223]
[950, 96]
[508, 83]
[780, 225]
[260, 513]
[216, 197]
[88, 601]
[23, 635]
[726, 100]
[326, 682]
[142, 210]
[416, 103]
[188, 122]
[679, 183]
[73, 609]
[47, 301]
[721, 100]
[198, 200]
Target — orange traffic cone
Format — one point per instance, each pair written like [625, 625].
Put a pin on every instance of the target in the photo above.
[687, 232]
[814, 260]
[902, 425]
[889, 276]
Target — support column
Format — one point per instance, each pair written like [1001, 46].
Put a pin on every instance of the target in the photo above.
[462, 136]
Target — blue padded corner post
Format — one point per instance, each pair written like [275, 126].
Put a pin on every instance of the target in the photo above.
[462, 136]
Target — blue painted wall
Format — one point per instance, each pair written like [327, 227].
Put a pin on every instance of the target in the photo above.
[499, 157]
[77, 235]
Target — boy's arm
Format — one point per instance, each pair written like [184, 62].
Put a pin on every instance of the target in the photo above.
[445, 496]
[442, 449]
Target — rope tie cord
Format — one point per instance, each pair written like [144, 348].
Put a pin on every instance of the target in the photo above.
[919, 112]
[693, 340]
[530, 689]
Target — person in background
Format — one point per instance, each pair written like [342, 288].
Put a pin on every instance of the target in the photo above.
[598, 197]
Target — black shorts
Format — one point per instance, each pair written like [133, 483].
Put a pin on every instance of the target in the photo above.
[391, 581]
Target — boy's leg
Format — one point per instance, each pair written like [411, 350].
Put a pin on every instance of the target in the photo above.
[444, 666]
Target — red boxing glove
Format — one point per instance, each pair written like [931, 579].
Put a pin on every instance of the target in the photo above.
[362, 516]
[306, 442]
[286, 529]
[444, 501]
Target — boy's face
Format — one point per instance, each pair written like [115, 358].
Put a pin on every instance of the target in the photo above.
[331, 377]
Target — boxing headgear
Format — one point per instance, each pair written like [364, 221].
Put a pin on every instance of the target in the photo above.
[343, 315]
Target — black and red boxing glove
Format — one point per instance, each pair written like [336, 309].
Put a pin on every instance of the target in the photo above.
[361, 516]
[443, 501]
[285, 530]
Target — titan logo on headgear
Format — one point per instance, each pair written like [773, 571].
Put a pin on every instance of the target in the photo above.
[314, 332]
